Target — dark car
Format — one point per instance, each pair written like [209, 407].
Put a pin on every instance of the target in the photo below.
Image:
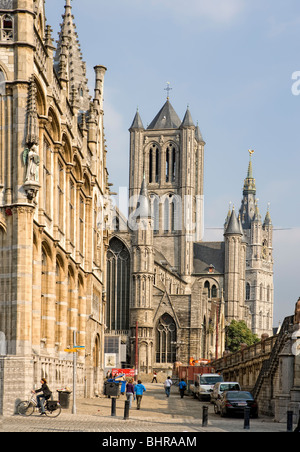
[235, 402]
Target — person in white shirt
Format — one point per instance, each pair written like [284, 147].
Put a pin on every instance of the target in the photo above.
[168, 384]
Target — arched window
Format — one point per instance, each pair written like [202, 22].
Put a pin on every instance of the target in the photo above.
[214, 291]
[207, 286]
[6, 30]
[118, 286]
[166, 215]
[154, 164]
[166, 337]
[248, 291]
[174, 164]
[167, 165]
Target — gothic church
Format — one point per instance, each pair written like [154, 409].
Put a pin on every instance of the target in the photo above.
[170, 295]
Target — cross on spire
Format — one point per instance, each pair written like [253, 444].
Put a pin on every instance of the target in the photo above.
[168, 89]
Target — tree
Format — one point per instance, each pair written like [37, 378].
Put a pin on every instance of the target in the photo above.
[238, 333]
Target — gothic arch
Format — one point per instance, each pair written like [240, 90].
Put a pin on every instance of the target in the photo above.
[166, 339]
[40, 98]
[118, 285]
[54, 125]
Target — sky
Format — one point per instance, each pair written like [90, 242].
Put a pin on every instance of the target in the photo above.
[236, 63]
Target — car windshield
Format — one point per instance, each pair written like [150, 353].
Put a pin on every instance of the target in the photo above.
[239, 395]
[210, 380]
[229, 387]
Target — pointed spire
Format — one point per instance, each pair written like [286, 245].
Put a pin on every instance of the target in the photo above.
[228, 216]
[233, 227]
[68, 59]
[268, 220]
[198, 135]
[166, 118]
[249, 184]
[187, 120]
[143, 208]
[257, 216]
[137, 122]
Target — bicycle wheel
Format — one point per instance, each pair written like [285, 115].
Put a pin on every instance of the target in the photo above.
[25, 408]
[53, 413]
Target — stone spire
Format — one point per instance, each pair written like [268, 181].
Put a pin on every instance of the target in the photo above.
[68, 60]
[248, 208]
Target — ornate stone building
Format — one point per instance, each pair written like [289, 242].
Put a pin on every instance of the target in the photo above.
[182, 292]
[53, 192]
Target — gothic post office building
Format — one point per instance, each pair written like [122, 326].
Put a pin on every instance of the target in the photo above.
[53, 191]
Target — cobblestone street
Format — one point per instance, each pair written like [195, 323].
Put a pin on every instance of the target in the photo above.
[158, 414]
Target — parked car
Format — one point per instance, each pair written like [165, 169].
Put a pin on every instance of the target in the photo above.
[221, 387]
[235, 402]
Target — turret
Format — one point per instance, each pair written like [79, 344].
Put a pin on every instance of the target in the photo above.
[234, 267]
[141, 313]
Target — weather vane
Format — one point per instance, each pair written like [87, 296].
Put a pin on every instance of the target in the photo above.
[168, 89]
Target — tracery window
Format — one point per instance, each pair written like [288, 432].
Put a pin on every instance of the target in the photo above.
[6, 28]
[166, 336]
[118, 286]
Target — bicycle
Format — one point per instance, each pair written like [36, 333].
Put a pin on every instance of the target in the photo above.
[28, 407]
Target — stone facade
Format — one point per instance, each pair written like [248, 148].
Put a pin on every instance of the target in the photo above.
[183, 291]
[54, 189]
[270, 370]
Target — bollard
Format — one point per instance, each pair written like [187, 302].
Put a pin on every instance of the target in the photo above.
[290, 417]
[247, 418]
[113, 406]
[205, 416]
[126, 410]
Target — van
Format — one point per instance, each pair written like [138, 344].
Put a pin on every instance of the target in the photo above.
[204, 385]
[224, 386]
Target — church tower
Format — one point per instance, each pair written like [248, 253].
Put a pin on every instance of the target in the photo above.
[141, 312]
[170, 152]
[259, 258]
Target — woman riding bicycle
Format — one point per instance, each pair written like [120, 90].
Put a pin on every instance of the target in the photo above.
[43, 397]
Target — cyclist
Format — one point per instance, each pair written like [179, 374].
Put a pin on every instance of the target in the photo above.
[46, 394]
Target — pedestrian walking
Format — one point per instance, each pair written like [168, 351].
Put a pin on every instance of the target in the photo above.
[182, 387]
[130, 392]
[139, 390]
[154, 377]
[167, 385]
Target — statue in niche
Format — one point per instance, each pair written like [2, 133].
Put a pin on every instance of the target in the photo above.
[31, 159]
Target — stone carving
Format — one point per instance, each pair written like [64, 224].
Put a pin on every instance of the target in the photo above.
[297, 313]
[31, 160]
[6, 4]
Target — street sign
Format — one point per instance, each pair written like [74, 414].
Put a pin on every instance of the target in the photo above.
[79, 346]
[71, 350]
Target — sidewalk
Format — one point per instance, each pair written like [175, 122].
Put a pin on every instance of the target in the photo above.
[158, 414]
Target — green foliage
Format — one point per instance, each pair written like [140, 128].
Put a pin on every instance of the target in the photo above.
[238, 333]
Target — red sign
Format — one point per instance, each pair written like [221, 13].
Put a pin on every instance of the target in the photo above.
[126, 372]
